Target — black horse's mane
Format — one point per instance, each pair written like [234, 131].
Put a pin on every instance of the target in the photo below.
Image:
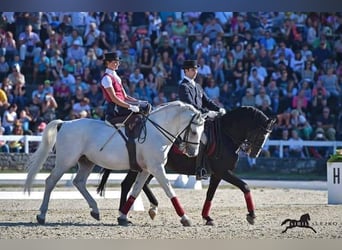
[247, 112]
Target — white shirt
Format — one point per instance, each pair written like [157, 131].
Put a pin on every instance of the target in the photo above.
[192, 81]
[107, 81]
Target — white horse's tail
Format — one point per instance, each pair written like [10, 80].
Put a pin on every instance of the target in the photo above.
[38, 158]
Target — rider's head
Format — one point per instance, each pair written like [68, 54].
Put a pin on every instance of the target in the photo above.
[190, 68]
[112, 60]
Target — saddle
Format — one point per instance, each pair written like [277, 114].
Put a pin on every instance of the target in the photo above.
[133, 127]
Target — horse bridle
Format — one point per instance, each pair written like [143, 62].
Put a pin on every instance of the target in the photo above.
[170, 136]
[245, 144]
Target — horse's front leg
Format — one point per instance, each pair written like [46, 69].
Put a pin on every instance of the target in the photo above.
[213, 184]
[139, 183]
[160, 175]
[230, 177]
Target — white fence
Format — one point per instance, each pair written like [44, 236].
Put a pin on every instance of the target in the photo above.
[333, 144]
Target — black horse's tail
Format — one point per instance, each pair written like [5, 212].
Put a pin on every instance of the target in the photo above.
[285, 221]
[105, 174]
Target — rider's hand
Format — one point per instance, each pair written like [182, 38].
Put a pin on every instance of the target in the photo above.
[212, 114]
[222, 111]
[134, 108]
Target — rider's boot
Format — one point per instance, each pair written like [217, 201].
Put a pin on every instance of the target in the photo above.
[131, 147]
[201, 171]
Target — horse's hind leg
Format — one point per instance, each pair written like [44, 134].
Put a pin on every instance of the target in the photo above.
[230, 177]
[127, 184]
[50, 184]
[139, 183]
[84, 170]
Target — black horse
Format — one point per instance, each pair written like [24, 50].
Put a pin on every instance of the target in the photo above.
[244, 128]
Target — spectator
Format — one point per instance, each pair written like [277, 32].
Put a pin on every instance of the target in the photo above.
[331, 84]
[213, 29]
[227, 97]
[79, 84]
[9, 118]
[71, 38]
[91, 35]
[146, 60]
[284, 136]
[179, 33]
[81, 106]
[268, 42]
[41, 67]
[68, 78]
[299, 122]
[9, 44]
[321, 53]
[296, 148]
[273, 92]
[143, 91]
[4, 68]
[308, 72]
[300, 101]
[204, 69]
[4, 148]
[16, 77]
[49, 106]
[17, 146]
[213, 91]
[25, 119]
[248, 99]
[159, 99]
[28, 43]
[75, 51]
[204, 47]
[326, 122]
[261, 97]
[136, 76]
[255, 80]
[217, 63]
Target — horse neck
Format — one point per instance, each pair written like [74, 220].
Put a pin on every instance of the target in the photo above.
[237, 127]
[172, 120]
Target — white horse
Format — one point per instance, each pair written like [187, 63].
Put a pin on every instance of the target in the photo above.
[81, 141]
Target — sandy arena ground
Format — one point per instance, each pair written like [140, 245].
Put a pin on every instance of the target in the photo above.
[70, 219]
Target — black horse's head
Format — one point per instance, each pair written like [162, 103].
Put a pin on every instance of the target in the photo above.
[249, 128]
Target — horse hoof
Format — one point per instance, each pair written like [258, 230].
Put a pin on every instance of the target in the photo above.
[250, 219]
[124, 222]
[96, 216]
[186, 222]
[152, 212]
[41, 221]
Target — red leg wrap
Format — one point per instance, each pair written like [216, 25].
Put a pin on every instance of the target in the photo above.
[206, 209]
[249, 202]
[128, 205]
[177, 206]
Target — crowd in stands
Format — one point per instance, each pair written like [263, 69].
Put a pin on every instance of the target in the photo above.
[288, 64]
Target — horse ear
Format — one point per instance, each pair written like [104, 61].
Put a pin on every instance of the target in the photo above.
[271, 122]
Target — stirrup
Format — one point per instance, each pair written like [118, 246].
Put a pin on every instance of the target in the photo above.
[202, 174]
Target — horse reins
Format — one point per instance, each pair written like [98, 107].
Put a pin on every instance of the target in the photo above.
[170, 136]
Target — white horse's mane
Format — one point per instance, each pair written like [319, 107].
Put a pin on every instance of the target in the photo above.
[174, 103]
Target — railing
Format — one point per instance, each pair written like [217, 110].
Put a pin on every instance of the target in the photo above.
[334, 144]
[282, 143]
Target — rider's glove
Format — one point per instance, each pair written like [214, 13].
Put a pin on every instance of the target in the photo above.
[222, 111]
[134, 108]
[212, 114]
